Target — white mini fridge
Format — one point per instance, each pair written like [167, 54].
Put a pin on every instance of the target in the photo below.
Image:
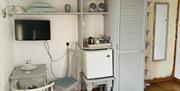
[97, 63]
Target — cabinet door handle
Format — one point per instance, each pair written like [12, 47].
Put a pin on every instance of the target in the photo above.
[108, 56]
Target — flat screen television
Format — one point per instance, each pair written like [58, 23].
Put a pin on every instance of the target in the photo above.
[32, 30]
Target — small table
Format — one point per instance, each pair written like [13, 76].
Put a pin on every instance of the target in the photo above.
[89, 84]
[18, 74]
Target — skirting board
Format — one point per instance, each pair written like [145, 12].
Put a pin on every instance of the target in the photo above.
[176, 79]
[159, 80]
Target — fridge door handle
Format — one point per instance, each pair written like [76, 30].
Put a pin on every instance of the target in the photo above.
[108, 56]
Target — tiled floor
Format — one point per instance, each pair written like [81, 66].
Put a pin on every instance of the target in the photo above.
[166, 86]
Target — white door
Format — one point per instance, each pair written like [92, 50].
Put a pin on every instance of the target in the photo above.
[131, 45]
[98, 64]
[126, 26]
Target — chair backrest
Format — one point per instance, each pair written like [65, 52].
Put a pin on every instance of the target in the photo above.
[45, 88]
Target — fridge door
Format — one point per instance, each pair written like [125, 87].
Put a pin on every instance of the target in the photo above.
[98, 63]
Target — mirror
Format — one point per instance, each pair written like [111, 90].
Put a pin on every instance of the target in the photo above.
[161, 14]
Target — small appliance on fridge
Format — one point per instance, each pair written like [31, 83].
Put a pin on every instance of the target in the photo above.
[97, 63]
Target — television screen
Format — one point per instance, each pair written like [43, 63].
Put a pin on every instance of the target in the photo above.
[32, 30]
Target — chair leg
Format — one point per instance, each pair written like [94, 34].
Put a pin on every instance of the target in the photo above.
[101, 87]
[79, 87]
[83, 88]
[109, 85]
[51, 88]
[89, 87]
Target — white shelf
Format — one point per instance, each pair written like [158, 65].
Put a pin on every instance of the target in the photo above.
[48, 13]
[62, 13]
[95, 13]
[98, 46]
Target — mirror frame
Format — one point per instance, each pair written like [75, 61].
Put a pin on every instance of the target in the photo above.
[154, 27]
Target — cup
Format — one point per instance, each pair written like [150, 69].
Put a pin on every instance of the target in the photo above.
[67, 7]
[19, 9]
[97, 41]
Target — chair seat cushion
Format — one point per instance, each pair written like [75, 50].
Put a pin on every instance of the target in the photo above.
[65, 82]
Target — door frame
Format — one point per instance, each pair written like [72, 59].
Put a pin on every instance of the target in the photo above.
[176, 38]
[1, 44]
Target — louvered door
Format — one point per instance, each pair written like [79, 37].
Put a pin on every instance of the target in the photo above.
[131, 45]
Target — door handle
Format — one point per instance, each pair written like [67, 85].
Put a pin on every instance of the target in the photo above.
[108, 56]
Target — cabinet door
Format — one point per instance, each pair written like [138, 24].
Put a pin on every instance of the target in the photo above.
[131, 25]
[98, 63]
[131, 45]
[131, 72]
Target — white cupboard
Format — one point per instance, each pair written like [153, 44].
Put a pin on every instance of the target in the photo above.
[126, 25]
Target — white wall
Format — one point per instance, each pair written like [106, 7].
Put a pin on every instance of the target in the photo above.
[63, 29]
[6, 51]
[164, 68]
